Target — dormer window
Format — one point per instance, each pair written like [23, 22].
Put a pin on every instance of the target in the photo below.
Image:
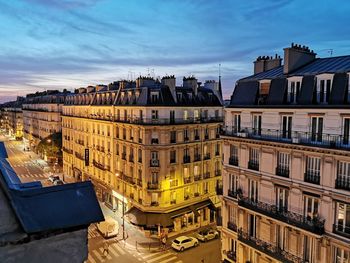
[263, 92]
[154, 96]
[189, 95]
[323, 90]
[179, 96]
[293, 91]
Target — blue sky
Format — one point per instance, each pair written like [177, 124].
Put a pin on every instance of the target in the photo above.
[56, 44]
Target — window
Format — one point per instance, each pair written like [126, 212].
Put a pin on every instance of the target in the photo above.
[283, 160]
[196, 114]
[324, 90]
[286, 127]
[206, 133]
[139, 155]
[154, 96]
[233, 182]
[173, 156]
[256, 124]
[346, 131]
[293, 91]
[154, 155]
[172, 136]
[217, 149]
[313, 167]
[185, 115]
[154, 115]
[154, 178]
[341, 255]
[253, 190]
[316, 129]
[236, 125]
[172, 116]
[186, 136]
[342, 218]
[253, 159]
[196, 134]
[231, 214]
[282, 199]
[311, 206]
[343, 175]
[251, 225]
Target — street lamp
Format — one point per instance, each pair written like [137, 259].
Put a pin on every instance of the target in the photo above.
[117, 174]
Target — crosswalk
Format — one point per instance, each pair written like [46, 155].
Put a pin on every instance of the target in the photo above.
[92, 232]
[117, 253]
[42, 176]
[160, 257]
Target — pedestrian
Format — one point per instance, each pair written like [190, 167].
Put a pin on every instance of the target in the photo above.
[105, 248]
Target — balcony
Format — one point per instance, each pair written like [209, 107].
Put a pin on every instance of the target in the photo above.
[129, 179]
[232, 193]
[186, 139]
[166, 121]
[196, 137]
[154, 203]
[334, 141]
[282, 171]
[172, 140]
[173, 202]
[206, 156]
[217, 153]
[206, 175]
[269, 249]
[79, 156]
[342, 230]
[232, 226]
[197, 157]
[314, 225]
[154, 163]
[197, 177]
[231, 255]
[152, 186]
[187, 159]
[187, 180]
[233, 160]
[312, 177]
[342, 182]
[70, 151]
[98, 165]
[154, 141]
[253, 165]
[140, 140]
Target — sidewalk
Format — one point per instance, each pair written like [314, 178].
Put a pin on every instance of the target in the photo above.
[136, 240]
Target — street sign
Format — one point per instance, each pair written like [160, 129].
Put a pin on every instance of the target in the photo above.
[87, 160]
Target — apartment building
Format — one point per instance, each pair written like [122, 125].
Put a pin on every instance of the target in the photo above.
[151, 148]
[286, 177]
[12, 118]
[42, 116]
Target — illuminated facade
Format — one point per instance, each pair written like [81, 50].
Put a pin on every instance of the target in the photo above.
[286, 162]
[42, 116]
[151, 145]
[13, 122]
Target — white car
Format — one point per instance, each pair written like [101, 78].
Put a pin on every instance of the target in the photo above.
[207, 234]
[181, 243]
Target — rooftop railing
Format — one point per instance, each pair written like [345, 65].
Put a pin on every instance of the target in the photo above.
[325, 140]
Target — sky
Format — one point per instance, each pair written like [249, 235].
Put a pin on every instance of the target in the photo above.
[57, 44]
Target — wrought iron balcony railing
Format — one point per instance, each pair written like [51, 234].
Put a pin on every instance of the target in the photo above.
[342, 230]
[187, 180]
[314, 225]
[268, 248]
[312, 177]
[154, 163]
[253, 165]
[206, 175]
[231, 255]
[187, 159]
[232, 226]
[342, 182]
[197, 157]
[282, 171]
[197, 177]
[152, 186]
[233, 160]
[335, 141]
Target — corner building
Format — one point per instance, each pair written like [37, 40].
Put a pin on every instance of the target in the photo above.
[150, 148]
[286, 174]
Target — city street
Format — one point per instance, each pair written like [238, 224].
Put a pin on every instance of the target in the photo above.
[29, 167]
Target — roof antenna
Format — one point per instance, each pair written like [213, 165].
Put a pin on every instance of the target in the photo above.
[330, 51]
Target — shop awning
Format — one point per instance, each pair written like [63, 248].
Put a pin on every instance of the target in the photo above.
[140, 218]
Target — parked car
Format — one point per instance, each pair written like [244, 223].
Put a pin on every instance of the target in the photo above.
[108, 228]
[207, 234]
[181, 243]
[53, 178]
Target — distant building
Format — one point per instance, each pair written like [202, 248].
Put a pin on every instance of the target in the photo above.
[286, 161]
[44, 224]
[12, 118]
[42, 116]
[150, 148]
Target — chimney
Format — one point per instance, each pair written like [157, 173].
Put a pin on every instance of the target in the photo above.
[170, 81]
[90, 89]
[264, 63]
[144, 81]
[191, 82]
[297, 56]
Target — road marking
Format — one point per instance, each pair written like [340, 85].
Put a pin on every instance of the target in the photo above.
[91, 259]
[121, 251]
[108, 255]
[157, 258]
[111, 249]
[144, 256]
[98, 256]
[168, 260]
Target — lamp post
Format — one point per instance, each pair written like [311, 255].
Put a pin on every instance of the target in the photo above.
[117, 174]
